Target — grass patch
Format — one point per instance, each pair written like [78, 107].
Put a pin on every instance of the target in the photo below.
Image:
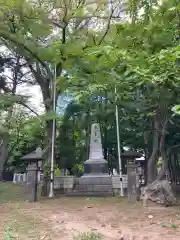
[93, 200]
[89, 236]
[10, 192]
[20, 224]
[8, 235]
[16, 223]
[174, 226]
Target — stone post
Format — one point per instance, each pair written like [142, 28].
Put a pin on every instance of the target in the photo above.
[32, 171]
[132, 180]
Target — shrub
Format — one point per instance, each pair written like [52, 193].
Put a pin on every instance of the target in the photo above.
[89, 236]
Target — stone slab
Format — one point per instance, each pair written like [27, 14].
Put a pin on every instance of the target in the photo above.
[99, 167]
[94, 188]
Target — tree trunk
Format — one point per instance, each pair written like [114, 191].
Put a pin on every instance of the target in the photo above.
[151, 168]
[146, 150]
[159, 190]
[48, 103]
[47, 89]
[4, 142]
[87, 141]
[87, 132]
[47, 157]
[164, 168]
[3, 154]
[164, 157]
[5, 136]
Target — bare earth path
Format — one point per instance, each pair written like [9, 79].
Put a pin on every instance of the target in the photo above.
[63, 218]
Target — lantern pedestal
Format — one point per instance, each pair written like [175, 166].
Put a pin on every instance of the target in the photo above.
[32, 171]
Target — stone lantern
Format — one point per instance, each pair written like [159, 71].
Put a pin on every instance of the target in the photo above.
[32, 159]
[132, 176]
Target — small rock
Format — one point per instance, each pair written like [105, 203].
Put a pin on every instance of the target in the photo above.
[114, 225]
[150, 216]
[151, 223]
[94, 229]
[103, 225]
[89, 206]
[79, 210]
[126, 237]
[122, 237]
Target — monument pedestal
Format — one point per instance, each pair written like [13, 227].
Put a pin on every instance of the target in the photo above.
[95, 167]
[95, 185]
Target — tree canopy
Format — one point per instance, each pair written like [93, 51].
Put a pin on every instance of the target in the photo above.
[91, 47]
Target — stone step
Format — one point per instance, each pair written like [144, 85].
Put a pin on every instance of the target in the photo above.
[93, 188]
[92, 194]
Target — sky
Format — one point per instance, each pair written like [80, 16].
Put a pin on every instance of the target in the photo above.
[34, 92]
[36, 101]
[35, 97]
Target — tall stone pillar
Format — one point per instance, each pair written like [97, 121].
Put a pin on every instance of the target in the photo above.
[132, 189]
[96, 164]
[32, 182]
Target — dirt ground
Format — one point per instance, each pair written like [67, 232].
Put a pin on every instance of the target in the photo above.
[64, 218]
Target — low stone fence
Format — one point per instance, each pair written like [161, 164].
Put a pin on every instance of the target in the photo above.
[116, 183]
[21, 178]
[64, 182]
[67, 183]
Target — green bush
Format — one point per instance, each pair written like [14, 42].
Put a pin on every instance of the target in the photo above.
[89, 236]
[57, 172]
[78, 170]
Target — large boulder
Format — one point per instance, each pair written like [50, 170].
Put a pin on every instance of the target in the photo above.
[159, 192]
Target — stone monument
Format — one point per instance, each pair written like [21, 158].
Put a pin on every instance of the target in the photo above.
[96, 179]
[96, 165]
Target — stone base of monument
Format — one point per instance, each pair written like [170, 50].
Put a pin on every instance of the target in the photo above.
[92, 186]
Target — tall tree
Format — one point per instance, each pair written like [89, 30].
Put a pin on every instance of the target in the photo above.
[51, 36]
